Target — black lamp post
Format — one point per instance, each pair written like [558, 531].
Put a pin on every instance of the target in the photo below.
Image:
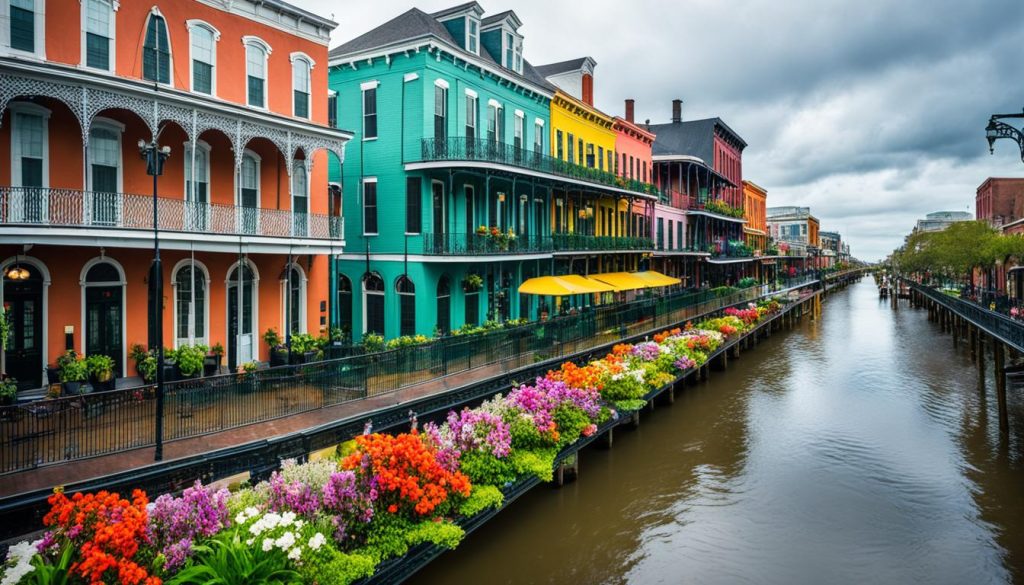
[997, 129]
[155, 155]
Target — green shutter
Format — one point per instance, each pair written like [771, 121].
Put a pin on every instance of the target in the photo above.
[301, 104]
[202, 77]
[97, 51]
[255, 91]
[23, 29]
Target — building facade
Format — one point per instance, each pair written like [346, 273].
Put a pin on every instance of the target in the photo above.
[999, 201]
[755, 206]
[237, 99]
[940, 220]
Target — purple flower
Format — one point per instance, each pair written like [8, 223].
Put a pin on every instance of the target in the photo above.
[479, 430]
[684, 363]
[174, 523]
[294, 496]
[541, 400]
[350, 499]
[647, 351]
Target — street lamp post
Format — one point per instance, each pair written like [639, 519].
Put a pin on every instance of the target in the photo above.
[155, 155]
[997, 129]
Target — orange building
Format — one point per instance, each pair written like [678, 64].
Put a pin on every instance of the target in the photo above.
[237, 95]
[755, 206]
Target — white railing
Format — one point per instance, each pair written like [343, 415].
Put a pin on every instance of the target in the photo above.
[87, 209]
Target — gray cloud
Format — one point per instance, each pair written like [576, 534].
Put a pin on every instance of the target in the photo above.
[871, 112]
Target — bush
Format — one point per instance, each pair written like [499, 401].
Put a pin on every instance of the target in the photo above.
[100, 366]
[190, 359]
[75, 370]
[481, 498]
[372, 343]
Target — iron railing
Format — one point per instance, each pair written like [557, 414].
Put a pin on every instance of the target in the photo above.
[476, 244]
[478, 150]
[122, 211]
[585, 243]
[995, 324]
[89, 425]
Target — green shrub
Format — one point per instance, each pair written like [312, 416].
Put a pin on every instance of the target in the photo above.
[372, 343]
[536, 462]
[481, 498]
[100, 366]
[571, 421]
[74, 371]
[329, 565]
[486, 469]
[190, 358]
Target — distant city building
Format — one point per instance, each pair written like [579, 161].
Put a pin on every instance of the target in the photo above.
[793, 224]
[755, 211]
[1000, 201]
[940, 220]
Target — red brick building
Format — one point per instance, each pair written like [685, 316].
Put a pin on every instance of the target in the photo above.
[1000, 201]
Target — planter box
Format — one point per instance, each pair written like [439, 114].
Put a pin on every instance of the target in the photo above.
[278, 358]
[211, 365]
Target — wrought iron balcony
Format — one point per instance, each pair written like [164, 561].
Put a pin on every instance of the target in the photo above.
[478, 244]
[585, 243]
[476, 150]
[34, 206]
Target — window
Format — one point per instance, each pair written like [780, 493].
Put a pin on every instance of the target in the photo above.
[572, 149]
[471, 112]
[190, 301]
[204, 56]
[105, 173]
[99, 31]
[670, 234]
[295, 309]
[444, 305]
[413, 205]
[538, 138]
[600, 157]
[373, 304]
[580, 151]
[644, 172]
[250, 193]
[30, 162]
[495, 124]
[509, 51]
[406, 306]
[300, 199]
[197, 186]
[440, 112]
[301, 67]
[470, 214]
[472, 306]
[611, 163]
[370, 207]
[559, 150]
[23, 22]
[370, 113]
[256, 52]
[156, 51]
[473, 36]
[332, 109]
[590, 156]
[517, 132]
[345, 306]
[519, 57]
[625, 168]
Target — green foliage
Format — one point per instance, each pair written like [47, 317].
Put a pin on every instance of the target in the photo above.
[74, 370]
[472, 282]
[57, 573]
[483, 468]
[329, 565]
[629, 405]
[272, 338]
[746, 282]
[217, 349]
[66, 358]
[227, 560]
[372, 343]
[8, 389]
[386, 537]
[190, 358]
[445, 534]
[407, 341]
[147, 368]
[721, 291]
[5, 328]
[137, 352]
[537, 462]
[99, 365]
[525, 434]
[954, 251]
[571, 421]
[723, 208]
[624, 387]
[304, 342]
[481, 498]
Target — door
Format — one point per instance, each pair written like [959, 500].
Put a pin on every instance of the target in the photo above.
[197, 184]
[440, 221]
[104, 158]
[24, 355]
[103, 315]
[248, 214]
[240, 342]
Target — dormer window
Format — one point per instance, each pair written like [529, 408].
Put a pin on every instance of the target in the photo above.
[513, 53]
[510, 42]
[472, 35]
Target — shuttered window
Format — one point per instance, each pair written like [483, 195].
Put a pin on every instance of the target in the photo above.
[156, 51]
[202, 60]
[256, 74]
[23, 25]
[413, 205]
[300, 85]
[97, 34]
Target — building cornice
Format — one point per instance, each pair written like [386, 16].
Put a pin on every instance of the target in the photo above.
[233, 7]
[582, 110]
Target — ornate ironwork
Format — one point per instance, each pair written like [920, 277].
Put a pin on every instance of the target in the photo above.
[997, 130]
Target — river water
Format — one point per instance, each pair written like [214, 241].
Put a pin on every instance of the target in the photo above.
[857, 449]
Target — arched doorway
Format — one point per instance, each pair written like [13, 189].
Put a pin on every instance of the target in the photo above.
[241, 318]
[103, 289]
[23, 297]
[373, 304]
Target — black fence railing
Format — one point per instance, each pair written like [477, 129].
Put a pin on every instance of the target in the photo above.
[1008, 330]
[90, 425]
[477, 150]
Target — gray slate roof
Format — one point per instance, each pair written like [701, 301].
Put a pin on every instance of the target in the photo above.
[561, 67]
[692, 137]
[416, 24]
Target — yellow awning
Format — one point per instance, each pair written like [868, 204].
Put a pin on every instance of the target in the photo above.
[560, 286]
[657, 278]
[622, 281]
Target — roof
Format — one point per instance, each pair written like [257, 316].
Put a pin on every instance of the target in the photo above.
[562, 66]
[287, 7]
[441, 14]
[500, 17]
[693, 137]
[415, 24]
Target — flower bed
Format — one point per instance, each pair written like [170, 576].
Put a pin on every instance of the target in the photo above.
[336, 520]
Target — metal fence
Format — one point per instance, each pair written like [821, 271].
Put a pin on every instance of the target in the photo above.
[995, 324]
[89, 425]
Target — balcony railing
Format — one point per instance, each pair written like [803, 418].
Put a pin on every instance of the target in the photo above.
[465, 149]
[122, 211]
[488, 245]
[579, 242]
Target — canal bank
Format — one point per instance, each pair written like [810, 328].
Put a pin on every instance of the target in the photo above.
[856, 448]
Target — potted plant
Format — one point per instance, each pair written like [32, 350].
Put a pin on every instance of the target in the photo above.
[472, 282]
[278, 353]
[101, 371]
[304, 348]
[372, 342]
[189, 359]
[72, 373]
[147, 368]
[211, 364]
[8, 391]
[246, 377]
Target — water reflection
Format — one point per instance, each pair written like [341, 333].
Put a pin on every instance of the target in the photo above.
[855, 449]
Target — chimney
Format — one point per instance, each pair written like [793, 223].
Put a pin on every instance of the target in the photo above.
[677, 111]
[629, 111]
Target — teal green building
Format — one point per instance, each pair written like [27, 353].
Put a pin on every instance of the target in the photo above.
[450, 195]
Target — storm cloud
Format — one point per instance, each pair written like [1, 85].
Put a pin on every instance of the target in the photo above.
[871, 112]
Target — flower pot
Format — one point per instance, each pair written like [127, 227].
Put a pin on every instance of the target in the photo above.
[211, 365]
[170, 373]
[72, 387]
[8, 400]
[278, 358]
[52, 375]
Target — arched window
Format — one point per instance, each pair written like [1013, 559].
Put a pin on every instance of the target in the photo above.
[407, 306]
[301, 66]
[300, 198]
[373, 304]
[203, 43]
[444, 305]
[156, 50]
[98, 32]
[256, 53]
[345, 306]
[190, 303]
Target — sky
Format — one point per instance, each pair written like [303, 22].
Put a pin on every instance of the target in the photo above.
[871, 112]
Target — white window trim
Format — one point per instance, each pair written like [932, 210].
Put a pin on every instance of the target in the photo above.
[123, 283]
[117, 128]
[286, 294]
[39, 34]
[35, 110]
[472, 94]
[299, 164]
[407, 78]
[362, 285]
[205, 340]
[259, 175]
[186, 166]
[228, 281]
[362, 207]
[363, 88]
[265, 47]
[111, 34]
[442, 83]
[372, 84]
[470, 19]
[192, 25]
[295, 58]
[155, 11]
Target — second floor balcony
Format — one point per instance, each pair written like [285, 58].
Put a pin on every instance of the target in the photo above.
[124, 213]
[486, 151]
[499, 243]
[705, 204]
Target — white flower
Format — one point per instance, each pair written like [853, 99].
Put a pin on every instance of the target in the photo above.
[287, 518]
[240, 518]
[286, 541]
[249, 542]
[295, 553]
[268, 543]
[317, 541]
[19, 561]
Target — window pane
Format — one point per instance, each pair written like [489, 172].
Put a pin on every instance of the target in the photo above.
[156, 63]
[104, 147]
[249, 176]
[370, 113]
[370, 208]
[255, 91]
[255, 60]
[97, 51]
[202, 80]
[413, 198]
[301, 104]
[300, 75]
[202, 45]
[30, 133]
[23, 25]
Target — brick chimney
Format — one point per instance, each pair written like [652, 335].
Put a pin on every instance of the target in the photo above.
[677, 111]
[629, 111]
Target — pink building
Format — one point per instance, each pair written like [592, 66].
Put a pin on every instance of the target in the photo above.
[633, 148]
